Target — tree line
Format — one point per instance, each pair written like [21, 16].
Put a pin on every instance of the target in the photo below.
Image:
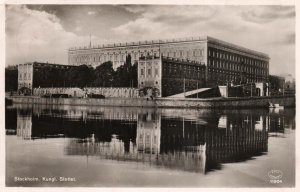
[79, 76]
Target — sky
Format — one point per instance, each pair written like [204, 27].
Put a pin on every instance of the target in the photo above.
[45, 32]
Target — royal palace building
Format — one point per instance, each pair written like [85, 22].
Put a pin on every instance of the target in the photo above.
[224, 62]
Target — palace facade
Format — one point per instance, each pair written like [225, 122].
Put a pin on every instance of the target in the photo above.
[225, 62]
[165, 76]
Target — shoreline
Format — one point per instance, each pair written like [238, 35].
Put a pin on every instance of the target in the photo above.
[241, 102]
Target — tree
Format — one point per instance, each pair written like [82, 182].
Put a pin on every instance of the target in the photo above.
[80, 76]
[126, 75]
[104, 75]
[11, 79]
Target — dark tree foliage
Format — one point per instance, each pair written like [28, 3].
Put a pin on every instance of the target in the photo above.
[104, 75]
[11, 79]
[134, 74]
[49, 77]
[126, 75]
[81, 76]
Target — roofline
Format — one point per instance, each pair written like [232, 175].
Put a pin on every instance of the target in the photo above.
[51, 64]
[234, 46]
[175, 40]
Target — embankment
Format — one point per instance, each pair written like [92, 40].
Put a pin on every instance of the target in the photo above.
[245, 102]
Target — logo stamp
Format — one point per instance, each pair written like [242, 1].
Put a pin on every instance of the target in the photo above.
[275, 176]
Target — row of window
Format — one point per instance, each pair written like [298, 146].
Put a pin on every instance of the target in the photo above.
[236, 58]
[111, 57]
[147, 139]
[183, 66]
[24, 85]
[232, 72]
[180, 73]
[136, 56]
[234, 78]
[25, 76]
[149, 72]
[182, 54]
[233, 66]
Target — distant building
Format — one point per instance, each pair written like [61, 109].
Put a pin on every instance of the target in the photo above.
[225, 62]
[276, 84]
[290, 85]
[27, 71]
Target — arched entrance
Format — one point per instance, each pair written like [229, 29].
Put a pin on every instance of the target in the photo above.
[24, 91]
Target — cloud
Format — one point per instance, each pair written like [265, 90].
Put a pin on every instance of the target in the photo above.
[290, 39]
[91, 13]
[33, 35]
[78, 28]
[157, 21]
[265, 14]
[135, 8]
[46, 32]
[268, 29]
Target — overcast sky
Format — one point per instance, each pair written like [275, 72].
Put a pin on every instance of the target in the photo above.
[45, 32]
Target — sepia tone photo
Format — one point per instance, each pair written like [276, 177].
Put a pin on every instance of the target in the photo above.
[149, 95]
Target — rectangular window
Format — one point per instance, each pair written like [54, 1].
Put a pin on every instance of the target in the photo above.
[149, 72]
[148, 139]
[142, 72]
[156, 72]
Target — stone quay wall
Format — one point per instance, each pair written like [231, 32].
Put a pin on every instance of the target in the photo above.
[249, 102]
[78, 92]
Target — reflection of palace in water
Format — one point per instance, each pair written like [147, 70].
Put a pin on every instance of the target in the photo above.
[196, 141]
[24, 124]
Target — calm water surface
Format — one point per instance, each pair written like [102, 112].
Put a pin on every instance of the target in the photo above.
[121, 147]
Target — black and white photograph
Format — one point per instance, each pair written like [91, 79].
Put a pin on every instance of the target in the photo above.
[149, 95]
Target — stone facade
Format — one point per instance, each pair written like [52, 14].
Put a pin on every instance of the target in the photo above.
[150, 76]
[228, 63]
[225, 62]
[25, 75]
[179, 75]
[166, 76]
[188, 48]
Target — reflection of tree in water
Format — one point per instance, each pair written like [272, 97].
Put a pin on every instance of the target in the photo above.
[191, 141]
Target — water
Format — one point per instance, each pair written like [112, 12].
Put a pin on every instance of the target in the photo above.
[125, 147]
